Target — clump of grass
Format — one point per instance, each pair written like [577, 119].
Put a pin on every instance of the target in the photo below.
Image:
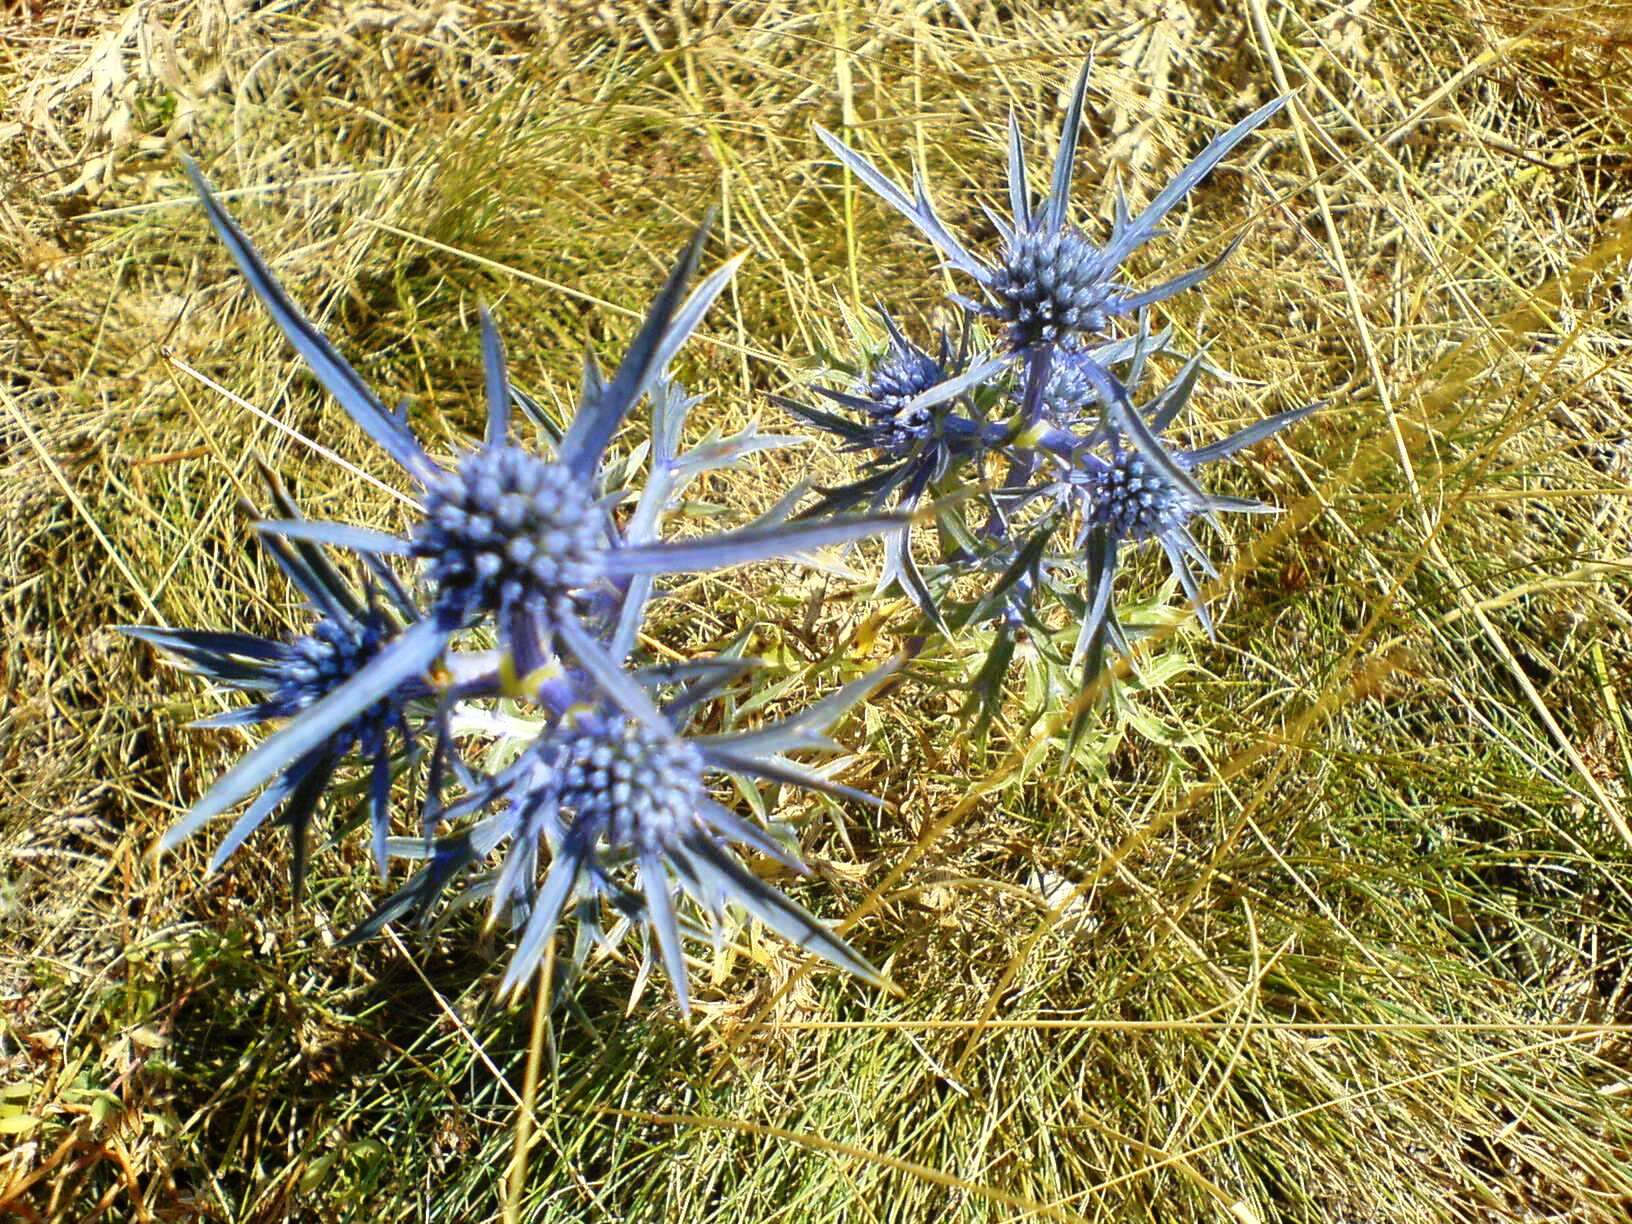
[1354, 945]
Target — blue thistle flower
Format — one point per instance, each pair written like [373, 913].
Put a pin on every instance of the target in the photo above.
[616, 795]
[903, 402]
[894, 387]
[1047, 288]
[290, 677]
[505, 533]
[1050, 281]
[1069, 391]
[1072, 393]
[1126, 499]
[512, 535]
[905, 405]
[1058, 296]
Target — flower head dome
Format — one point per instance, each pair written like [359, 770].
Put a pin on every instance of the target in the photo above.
[897, 384]
[630, 783]
[507, 530]
[1132, 498]
[1049, 288]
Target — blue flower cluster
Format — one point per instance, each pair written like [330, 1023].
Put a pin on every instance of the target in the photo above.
[1041, 468]
[611, 793]
[606, 807]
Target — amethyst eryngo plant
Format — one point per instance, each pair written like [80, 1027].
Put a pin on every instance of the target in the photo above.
[1042, 470]
[531, 548]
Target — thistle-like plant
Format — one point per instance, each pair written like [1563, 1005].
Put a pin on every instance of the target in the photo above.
[505, 533]
[538, 549]
[1023, 447]
[1042, 434]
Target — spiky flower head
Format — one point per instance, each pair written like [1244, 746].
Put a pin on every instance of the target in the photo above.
[1049, 288]
[630, 783]
[1079, 373]
[289, 678]
[912, 410]
[617, 799]
[1070, 392]
[315, 664]
[1129, 496]
[1145, 494]
[508, 531]
[909, 397]
[1050, 282]
[901, 375]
